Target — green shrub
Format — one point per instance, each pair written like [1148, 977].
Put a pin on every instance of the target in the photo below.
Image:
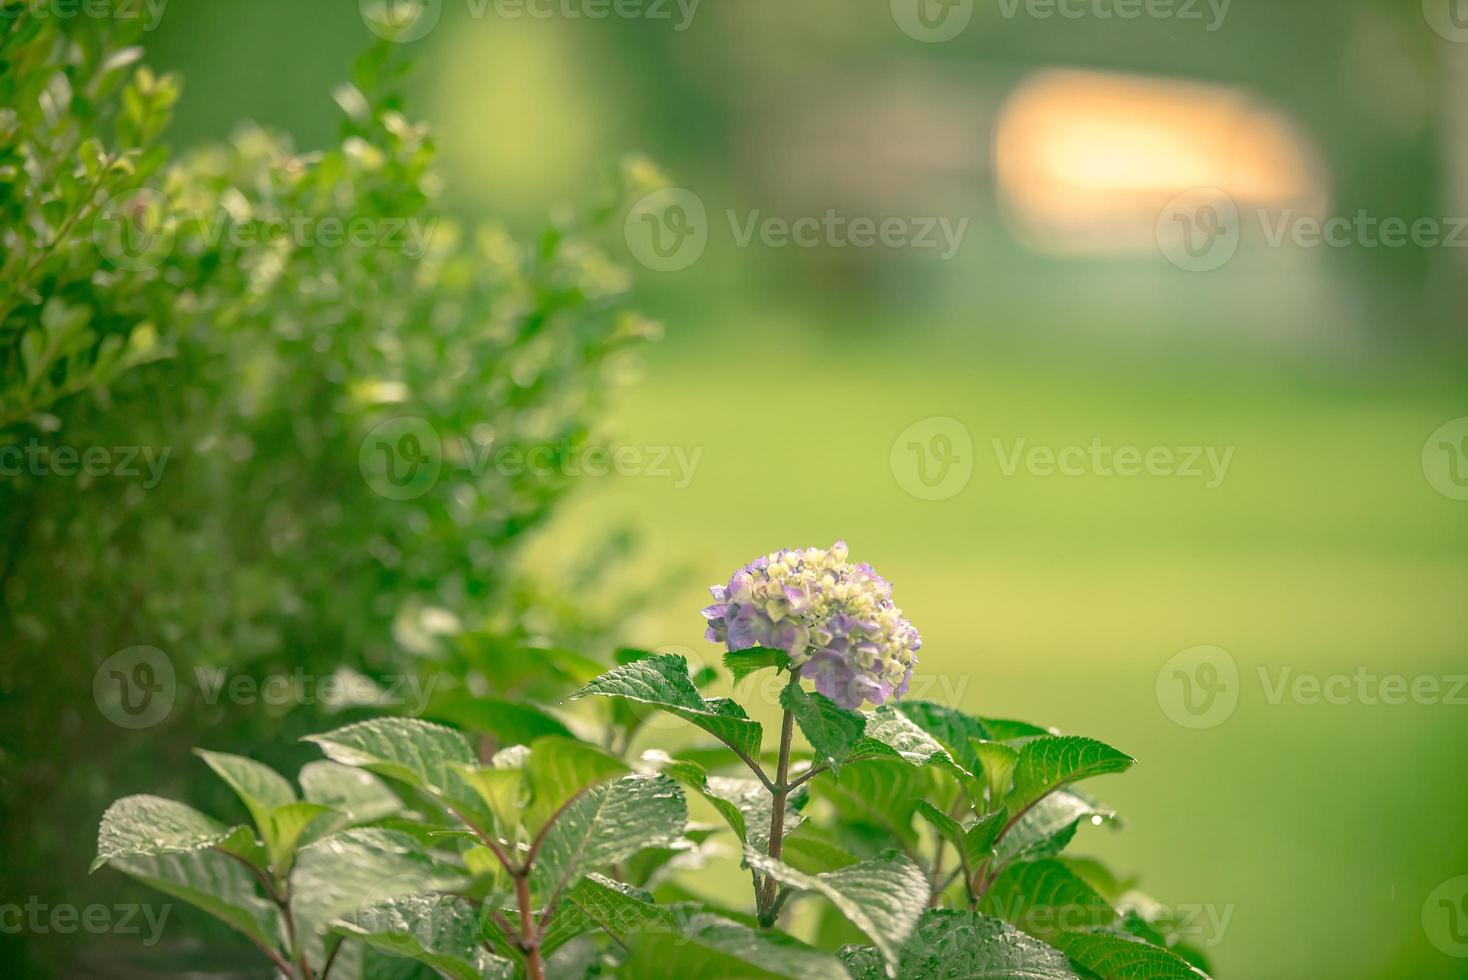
[258, 341]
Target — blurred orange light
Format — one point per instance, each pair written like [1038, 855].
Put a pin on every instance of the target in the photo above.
[1085, 161]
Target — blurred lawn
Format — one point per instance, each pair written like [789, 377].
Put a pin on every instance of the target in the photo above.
[1319, 829]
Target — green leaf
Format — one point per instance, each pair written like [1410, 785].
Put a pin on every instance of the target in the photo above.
[358, 794]
[973, 844]
[745, 804]
[710, 947]
[211, 881]
[150, 825]
[1009, 730]
[969, 945]
[892, 735]
[442, 931]
[1120, 958]
[558, 769]
[616, 908]
[1046, 764]
[1044, 899]
[355, 869]
[503, 791]
[813, 855]
[742, 663]
[285, 827]
[831, 730]
[883, 791]
[1048, 826]
[426, 756]
[663, 682]
[883, 897]
[952, 728]
[259, 787]
[607, 824]
[510, 722]
[415, 752]
[997, 762]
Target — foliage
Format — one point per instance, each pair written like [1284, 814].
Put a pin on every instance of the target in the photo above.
[561, 858]
[280, 335]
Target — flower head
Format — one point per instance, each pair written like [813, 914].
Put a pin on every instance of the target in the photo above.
[835, 619]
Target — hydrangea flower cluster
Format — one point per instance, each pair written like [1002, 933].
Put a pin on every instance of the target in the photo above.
[835, 619]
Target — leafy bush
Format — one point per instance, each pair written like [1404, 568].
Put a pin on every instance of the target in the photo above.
[935, 839]
[270, 331]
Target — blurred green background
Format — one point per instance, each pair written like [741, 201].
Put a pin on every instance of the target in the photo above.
[792, 376]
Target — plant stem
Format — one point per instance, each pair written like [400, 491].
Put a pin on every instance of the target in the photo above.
[781, 792]
[529, 937]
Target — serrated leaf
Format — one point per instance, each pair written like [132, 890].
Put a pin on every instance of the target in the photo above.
[832, 730]
[1048, 826]
[259, 787]
[510, 722]
[358, 794]
[607, 824]
[952, 728]
[742, 663]
[1045, 898]
[357, 868]
[710, 947]
[213, 882]
[151, 825]
[415, 752]
[1120, 958]
[421, 754]
[968, 945]
[662, 681]
[558, 769]
[442, 931]
[883, 897]
[1046, 764]
[890, 734]
[996, 761]
[614, 907]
